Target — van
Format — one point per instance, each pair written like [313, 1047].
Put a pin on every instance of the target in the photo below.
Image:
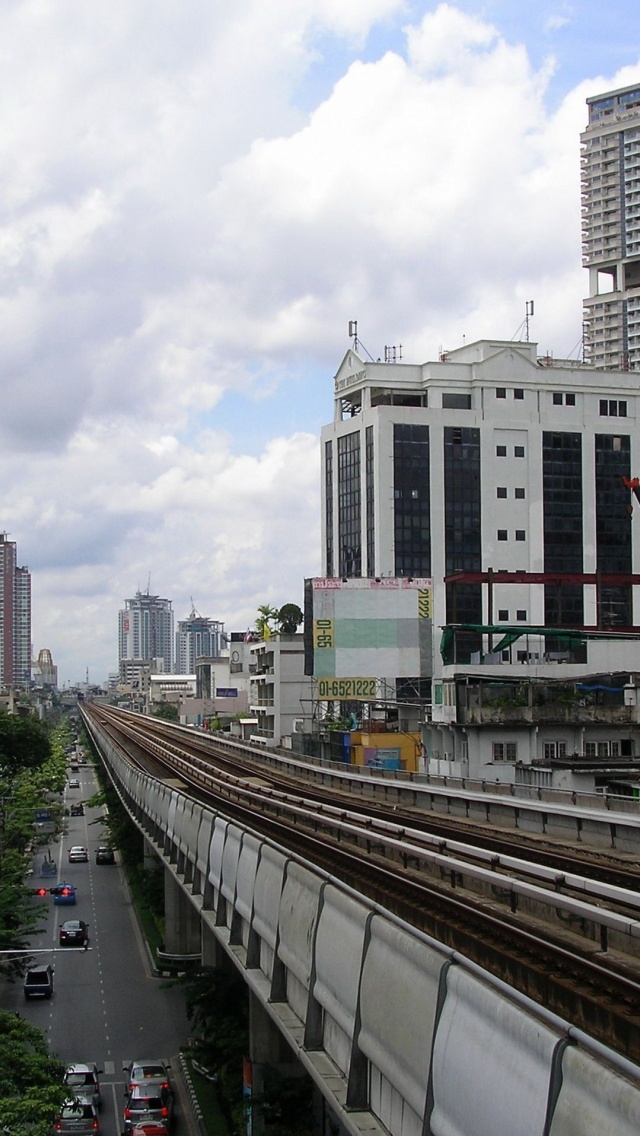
[38, 982]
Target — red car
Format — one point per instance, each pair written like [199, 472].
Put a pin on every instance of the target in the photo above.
[151, 1128]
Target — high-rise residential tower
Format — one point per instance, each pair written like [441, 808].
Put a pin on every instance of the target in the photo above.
[197, 637]
[145, 631]
[611, 229]
[15, 617]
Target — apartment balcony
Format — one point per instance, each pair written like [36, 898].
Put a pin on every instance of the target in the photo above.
[261, 704]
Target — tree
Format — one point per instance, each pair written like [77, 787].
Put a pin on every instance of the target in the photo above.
[289, 618]
[31, 1080]
[166, 710]
[24, 743]
[266, 620]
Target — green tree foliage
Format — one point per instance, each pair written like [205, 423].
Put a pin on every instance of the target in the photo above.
[166, 710]
[31, 1080]
[21, 795]
[266, 620]
[24, 744]
[289, 618]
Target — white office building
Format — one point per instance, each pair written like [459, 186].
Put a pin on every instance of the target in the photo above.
[507, 481]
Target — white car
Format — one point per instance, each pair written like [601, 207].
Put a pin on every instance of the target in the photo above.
[74, 783]
[78, 854]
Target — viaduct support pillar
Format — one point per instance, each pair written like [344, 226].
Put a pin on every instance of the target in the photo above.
[181, 920]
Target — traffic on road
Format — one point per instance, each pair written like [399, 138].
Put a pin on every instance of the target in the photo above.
[93, 991]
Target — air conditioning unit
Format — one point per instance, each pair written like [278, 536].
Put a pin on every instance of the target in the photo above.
[297, 726]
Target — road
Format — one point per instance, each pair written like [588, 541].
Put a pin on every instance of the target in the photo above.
[107, 1006]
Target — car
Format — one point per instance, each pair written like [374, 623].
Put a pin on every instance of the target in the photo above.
[147, 1103]
[74, 932]
[149, 1128]
[105, 855]
[152, 1071]
[84, 1081]
[74, 783]
[74, 769]
[77, 810]
[79, 1116]
[38, 982]
[63, 894]
[78, 854]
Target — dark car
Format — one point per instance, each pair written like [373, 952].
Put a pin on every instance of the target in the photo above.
[38, 982]
[105, 855]
[74, 932]
[77, 810]
[147, 1103]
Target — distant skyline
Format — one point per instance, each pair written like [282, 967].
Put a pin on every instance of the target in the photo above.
[195, 203]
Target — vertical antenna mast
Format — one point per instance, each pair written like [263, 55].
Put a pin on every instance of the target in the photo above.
[528, 308]
[353, 332]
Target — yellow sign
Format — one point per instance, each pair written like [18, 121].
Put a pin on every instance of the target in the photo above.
[424, 603]
[346, 688]
[322, 633]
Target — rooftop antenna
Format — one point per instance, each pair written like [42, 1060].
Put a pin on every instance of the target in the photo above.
[528, 309]
[357, 343]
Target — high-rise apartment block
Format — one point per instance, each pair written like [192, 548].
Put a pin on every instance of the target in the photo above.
[611, 229]
[145, 633]
[15, 617]
[197, 637]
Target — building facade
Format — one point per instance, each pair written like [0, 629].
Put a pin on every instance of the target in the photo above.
[15, 618]
[509, 482]
[279, 693]
[196, 637]
[145, 633]
[611, 229]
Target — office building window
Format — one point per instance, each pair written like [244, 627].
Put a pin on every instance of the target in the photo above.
[519, 394]
[570, 399]
[503, 615]
[557, 398]
[328, 479]
[502, 534]
[521, 534]
[501, 451]
[456, 401]
[462, 530]
[613, 408]
[518, 451]
[505, 751]
[349, 506]
[501, 491]
[370, 502]
[521, 615]
[411, 509]
[562, 481]
[518, 493]
[501, 392]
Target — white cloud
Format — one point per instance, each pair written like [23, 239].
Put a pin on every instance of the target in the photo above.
[180, 243]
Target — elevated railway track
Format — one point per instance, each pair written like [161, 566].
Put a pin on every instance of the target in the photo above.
[560, 924]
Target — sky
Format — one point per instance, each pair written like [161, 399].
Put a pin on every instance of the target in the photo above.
[196, 200]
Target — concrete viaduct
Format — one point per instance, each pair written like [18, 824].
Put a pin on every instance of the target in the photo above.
[400, 1035]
